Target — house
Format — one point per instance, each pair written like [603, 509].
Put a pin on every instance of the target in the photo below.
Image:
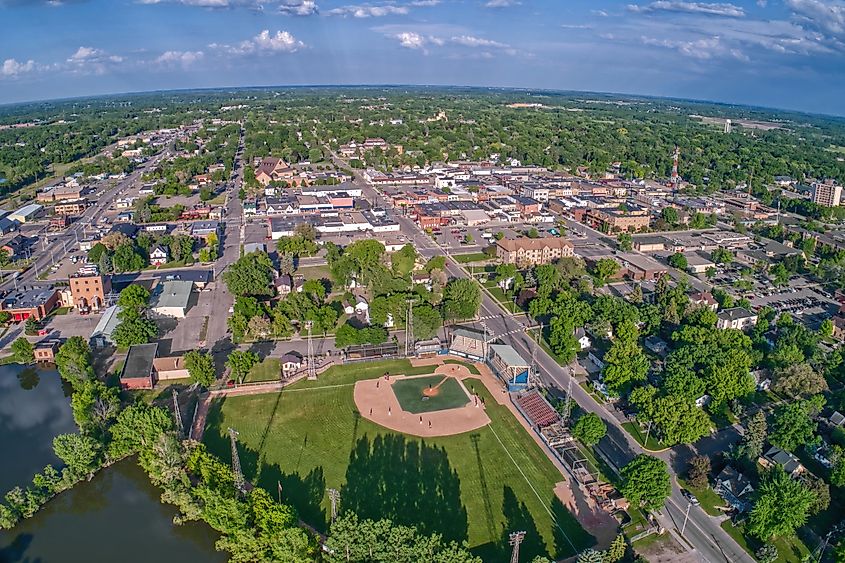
[27, 213]
[284, 284]
[530, 252]
[274, 170]
[159, 256]
[172, 367]
[735, 488]
[138, 372]
[202, 229]
[291, 363]
[787, 461]
[102, 335]
[468, 343]
[36, 303]
[705, 299]
[736, 317]
[582, 338]
[171, 298]
[90, 292]
[16, 247]
[837, 419]
[509, 365]
[45, 351]
[656, 345]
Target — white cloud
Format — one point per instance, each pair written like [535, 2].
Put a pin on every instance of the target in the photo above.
[501, 3]
[264, 42]
[299, 7]
[411, 40]
[368, 11]
[472, 41]
[710, 9]
[705, 48]
[13, 68]
[88, 60]
[825, 16]
[180, 58]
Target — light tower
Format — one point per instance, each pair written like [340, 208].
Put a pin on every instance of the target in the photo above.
[178, 414]
[676, 157]
[516, 539]
[334, 496]
[409, 328]
[240, 484]
[312, 369]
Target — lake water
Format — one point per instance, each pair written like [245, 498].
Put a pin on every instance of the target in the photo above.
[117, 516]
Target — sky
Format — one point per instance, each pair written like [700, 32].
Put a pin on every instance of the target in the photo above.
[775, 53]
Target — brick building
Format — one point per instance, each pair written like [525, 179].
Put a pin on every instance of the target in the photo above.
[90, 292]
[530, 252]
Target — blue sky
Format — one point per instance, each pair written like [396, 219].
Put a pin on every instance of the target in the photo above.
[778, 53]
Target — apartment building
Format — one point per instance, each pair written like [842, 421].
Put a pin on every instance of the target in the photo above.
[526, 251]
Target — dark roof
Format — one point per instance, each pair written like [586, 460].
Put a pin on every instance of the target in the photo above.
[128, 229]
[139, 361]
[28, 299]
[735, 313]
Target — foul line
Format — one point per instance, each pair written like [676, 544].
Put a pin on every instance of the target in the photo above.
[574, 549]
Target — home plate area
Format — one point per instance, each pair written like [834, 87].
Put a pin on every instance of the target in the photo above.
[423, 405]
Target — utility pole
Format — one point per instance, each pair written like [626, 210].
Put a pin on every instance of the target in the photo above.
[312, 369]
[516, 539]
[686, 518]
[178, 413]
[240, 484]
[568, 407]
[647, 432]
[334, 496]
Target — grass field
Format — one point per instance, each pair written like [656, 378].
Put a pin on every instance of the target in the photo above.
[472, 369]
[790, 550]
[270, 369]
[477, 486]
[472, 257]
[409, 393]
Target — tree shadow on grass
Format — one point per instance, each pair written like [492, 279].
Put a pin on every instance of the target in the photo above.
[570, 537]
[305, 494]
[408, 482]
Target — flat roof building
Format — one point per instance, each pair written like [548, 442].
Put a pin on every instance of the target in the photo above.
[530, 252]
[172, 298]
[138, 370]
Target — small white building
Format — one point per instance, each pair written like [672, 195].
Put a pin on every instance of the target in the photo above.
[736, 317]
[159, 256]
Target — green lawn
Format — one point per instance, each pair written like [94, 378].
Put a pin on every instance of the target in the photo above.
[790, 550]
[477, 486]
[447, 394]
[639, 435]
[500, 296]
[270, 369]
[315, 272]
[472, 257]
[707, 497]
[472, 369]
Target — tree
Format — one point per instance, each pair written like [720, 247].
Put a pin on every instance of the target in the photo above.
[722, 256]
[105, 263]
[767, 554]
[645, 482]
[754, 437]
[625, 242]
[133, 331]
[96, 252]
[403, 260]
[427, 321]
[435, 263]
[603, 270]
[826, 328]
[698, 472]
[799, 380]
[461, 299]
[782, 505]
[200, 367]
[670, 215]
[821, 492]
[297, 245]
[678, 260]
[240, 362]
[677, 419]
[792, 426]
[617, 550]
[23, 351]
[252, 274]
[127, 259]
[625, 362]
[80, 453]
[590, 429]
[133, 296]
[73, 360]
[590, 556]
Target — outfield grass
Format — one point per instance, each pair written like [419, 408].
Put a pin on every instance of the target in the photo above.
[477, 486]
[409, 393]
[472, 369]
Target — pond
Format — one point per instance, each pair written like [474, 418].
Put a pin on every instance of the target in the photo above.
[117, 516]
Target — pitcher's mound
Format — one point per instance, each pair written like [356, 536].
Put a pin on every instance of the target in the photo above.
[428, 405]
